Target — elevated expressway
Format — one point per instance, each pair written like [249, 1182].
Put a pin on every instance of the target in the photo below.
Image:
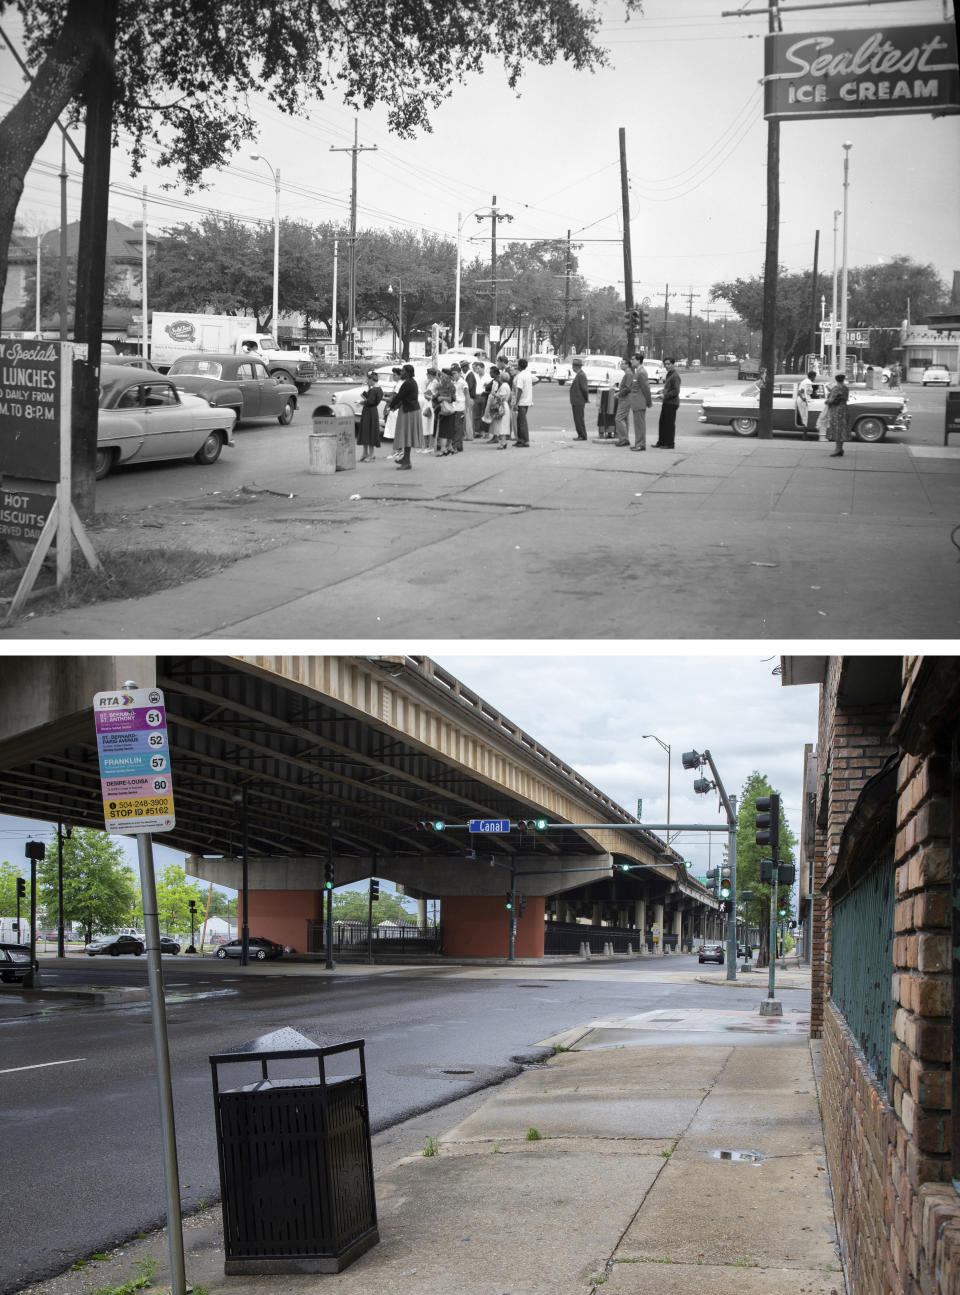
[316, 758]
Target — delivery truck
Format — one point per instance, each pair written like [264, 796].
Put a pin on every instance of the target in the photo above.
[176, 334]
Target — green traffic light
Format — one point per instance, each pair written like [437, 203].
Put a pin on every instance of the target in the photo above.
[438, 825]
[540, 824]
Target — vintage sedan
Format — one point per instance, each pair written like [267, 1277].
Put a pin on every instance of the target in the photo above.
[348, 400]
[871, 414]
[601, 371]
[238, 382]
[143, 418]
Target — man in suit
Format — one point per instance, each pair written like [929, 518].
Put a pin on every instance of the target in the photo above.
[579, 395]
[671, 403]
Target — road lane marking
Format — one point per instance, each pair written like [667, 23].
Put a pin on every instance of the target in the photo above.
[42, 1065]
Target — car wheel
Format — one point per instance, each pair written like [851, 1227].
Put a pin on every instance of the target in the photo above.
[138, 950]
[745, 426]
[209, 451]
[221, 953]
[285, 417]
[103, 463]
[303, 388]
[261, 955]
[8, 977]
[114, 951]
[869, 429]
[91, 955]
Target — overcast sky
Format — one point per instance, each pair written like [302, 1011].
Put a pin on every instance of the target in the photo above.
[592, 712]
[684, 83]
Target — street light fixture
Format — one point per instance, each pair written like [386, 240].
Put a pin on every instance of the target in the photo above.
[275, 322]
[666, 747]
[696, 760]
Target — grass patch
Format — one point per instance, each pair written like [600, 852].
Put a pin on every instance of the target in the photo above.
[130, 574]
[146, 1268]
[431, 1147]
[534, 1135]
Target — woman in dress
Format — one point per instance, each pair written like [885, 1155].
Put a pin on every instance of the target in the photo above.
[408, 434]
[369, 434]
[835, 410]
[497, 412]
[446, 412]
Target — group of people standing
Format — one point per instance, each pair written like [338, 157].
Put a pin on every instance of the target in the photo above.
[460, 401]
[628, 400]
[832, 421]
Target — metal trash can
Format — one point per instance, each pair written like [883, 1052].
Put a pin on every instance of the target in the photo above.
[296, 1169]
[333, 442]
[951, 425]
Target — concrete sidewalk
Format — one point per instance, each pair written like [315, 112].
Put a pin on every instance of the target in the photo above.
[721, 537]
[679, 1152]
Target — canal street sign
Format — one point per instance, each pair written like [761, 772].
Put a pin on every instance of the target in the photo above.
[135, 776]
[490, 826]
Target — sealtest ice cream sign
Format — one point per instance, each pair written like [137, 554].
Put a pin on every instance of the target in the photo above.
[862, 73]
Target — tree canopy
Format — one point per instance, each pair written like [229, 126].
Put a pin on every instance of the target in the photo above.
[99, 887]
[749, 854]
[183, 72]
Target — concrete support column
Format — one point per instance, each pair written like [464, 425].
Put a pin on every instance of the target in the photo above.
[678, 928]
[422, 916]
[658, 918]
[597, 917]
[640, 918]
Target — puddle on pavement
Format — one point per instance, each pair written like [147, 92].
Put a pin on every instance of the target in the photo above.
[750, 1157]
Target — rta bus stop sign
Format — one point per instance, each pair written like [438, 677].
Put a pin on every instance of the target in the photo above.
[134, 760]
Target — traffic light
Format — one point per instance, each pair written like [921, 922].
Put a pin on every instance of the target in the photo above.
[521, 904]
[531, 824]
[643, 320]
[768, 823]
[766, 871]
[374, 889]
[509, 901]
[328, 876]
[782, 911]
[21, 888]
[713, 879]
[431, 825]
[725, 883]
[727, 906]
[788, 874]
[624, 867]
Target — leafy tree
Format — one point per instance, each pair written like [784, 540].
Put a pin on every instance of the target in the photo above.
[749, 855]
[183, 73]
[221, 905]
[424, 264]
[174, 893]
[793, 309]
[351, 906]
[99, 888]
[9, 873]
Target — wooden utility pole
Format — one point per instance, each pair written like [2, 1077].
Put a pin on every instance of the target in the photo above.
[666, 326]
[352, 258]
[690, 296]
[814, 293]
[493, 215]
[98, 89]
[768, 345]
[627, 255]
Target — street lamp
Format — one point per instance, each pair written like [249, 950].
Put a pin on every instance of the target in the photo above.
[697, 760]
[847, 145]
[666, 747]
[399, 311]
[258, 157]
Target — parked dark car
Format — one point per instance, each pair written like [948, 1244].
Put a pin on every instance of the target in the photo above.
[114, 945]
[168, 944]
[144, 417]
[711, 953]
[14, 961]
[238, 382]
[260, 948]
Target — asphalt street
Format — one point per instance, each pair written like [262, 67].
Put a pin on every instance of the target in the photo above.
[78, 1103]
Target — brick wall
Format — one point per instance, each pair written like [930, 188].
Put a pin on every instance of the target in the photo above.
[889, 1152]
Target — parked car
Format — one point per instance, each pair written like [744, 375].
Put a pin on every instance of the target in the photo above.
[144, 418]
[543, 367]
[114, 945]
[711, 953]
[242, 383]
[14, 962]
[260, 948]
[871, 413]
[601, 370]
[936, 375]
[563, 372]
[137, 361]
[656, 371]
[748, 368]
[168, 944]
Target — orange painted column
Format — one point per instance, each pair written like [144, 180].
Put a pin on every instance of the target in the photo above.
[282, 915]
[478, 926]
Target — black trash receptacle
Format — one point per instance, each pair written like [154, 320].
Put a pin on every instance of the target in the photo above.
[951, 426]
[296, 1170]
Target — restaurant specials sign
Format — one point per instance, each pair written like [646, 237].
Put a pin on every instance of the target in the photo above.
[862, 73]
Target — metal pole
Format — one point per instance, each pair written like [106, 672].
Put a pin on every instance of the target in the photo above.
[245, 880]
[328, 941]
[772, 952]
[151, 926]
[813, 294]
[456, 296]
[143, 277]
[333, 312]
[843, 273]
[276, 255]
[370, 919]
[513, 907]
[768, 338]
[732, 856]
[60, 942]
[627, 251]
[833, 299]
